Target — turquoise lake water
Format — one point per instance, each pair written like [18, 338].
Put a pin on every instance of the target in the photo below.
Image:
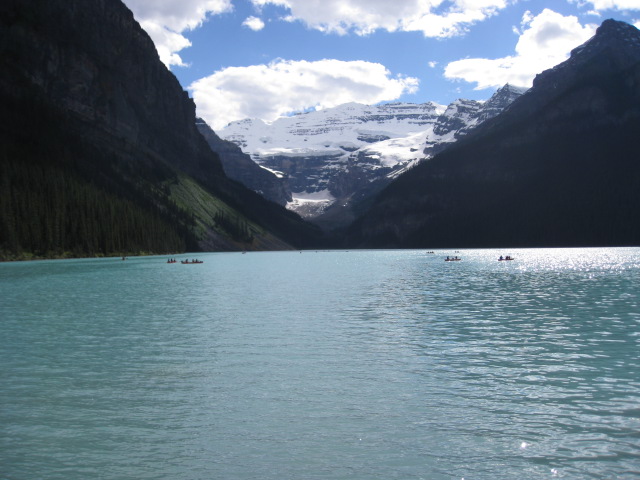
[323, 365]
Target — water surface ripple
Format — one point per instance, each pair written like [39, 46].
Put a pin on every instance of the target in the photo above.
[323, 365]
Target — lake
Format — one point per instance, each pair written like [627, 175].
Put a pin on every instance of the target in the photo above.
[323, 365]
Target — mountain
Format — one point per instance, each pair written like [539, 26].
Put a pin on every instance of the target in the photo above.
[240, 167]
[459, 118]
[100, 150]
[319, 152]
[559, 167]
[334, 157]
[462, 116]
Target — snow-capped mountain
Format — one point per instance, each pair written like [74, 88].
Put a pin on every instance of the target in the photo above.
[335, 131]
[327, 155]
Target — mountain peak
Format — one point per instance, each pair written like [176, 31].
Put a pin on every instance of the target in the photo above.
[508, 88]
[614, 47]
[506, 94]
[545, 171]
[611, 27]
[611, 34]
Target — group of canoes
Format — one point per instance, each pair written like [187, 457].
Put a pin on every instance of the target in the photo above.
[448, 259]
[185, 262]
[457, 259]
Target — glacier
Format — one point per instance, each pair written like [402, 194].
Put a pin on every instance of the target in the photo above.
[327, 155]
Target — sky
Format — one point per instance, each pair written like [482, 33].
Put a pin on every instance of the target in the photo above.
[270, 58]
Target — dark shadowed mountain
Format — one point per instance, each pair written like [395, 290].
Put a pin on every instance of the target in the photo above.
[559, 167]
[459, 118]
[240, 167]
[100, 150]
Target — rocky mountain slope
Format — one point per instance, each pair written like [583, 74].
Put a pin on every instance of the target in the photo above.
[96, 131]
[329, 157]
[239, 166]
[559, 167]
[462, 116]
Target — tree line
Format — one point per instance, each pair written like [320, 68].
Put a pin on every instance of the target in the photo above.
[46, 211]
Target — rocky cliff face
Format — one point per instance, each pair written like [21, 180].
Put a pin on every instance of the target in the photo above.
[239, 166]
[462, 116]
[106, 112]
[92, 60]
[559, 167]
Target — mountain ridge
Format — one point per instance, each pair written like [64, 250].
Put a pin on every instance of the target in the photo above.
[91, 112]
[557, 168]
[239, 166]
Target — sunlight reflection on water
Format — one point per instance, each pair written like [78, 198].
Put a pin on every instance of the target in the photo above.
[360, 365]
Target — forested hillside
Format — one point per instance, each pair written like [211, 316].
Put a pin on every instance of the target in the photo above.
[52, 203]
[99, 150]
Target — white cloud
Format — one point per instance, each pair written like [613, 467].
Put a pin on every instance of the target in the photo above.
[546, 40]
[254, 23]
[167, 42]
[434, 18]
[600, 5]
[282, 87]
[166, 20]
